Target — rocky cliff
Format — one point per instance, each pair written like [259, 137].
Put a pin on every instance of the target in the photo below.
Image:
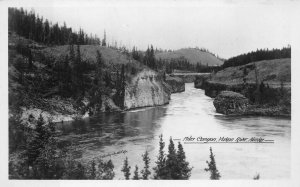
[146, 89]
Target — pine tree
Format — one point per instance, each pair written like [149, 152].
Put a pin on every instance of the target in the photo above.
[212, 168]
[256, 177]
[160, 171]
[126, 169]
[183, 166]
[105, 170]
[109, 171]
[37, 143]
[45, 166]
[171, 162]
[123, 85]
[136, 173]
[146, 172]
[92, 170]
[79, 172]
[104, 39]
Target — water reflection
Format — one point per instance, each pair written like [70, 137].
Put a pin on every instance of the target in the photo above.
[114, 126]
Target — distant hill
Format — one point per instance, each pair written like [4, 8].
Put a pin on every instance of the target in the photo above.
[193, 55]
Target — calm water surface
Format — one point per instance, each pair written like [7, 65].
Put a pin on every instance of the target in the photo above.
[190, 113]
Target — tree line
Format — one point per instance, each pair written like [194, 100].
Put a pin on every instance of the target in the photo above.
[259, 54]
[31, 26]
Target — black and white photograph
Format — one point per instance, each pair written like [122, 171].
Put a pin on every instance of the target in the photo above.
[150, 90]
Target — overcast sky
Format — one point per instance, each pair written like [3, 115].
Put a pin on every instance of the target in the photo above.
[224, 27]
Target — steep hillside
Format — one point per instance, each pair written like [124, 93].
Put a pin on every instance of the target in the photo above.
[48, 81]
[193, 55]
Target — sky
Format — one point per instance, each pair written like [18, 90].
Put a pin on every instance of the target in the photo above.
[225, 27]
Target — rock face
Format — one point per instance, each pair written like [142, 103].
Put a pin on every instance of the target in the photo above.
[228, 102]
[176, 84]
[146, 89]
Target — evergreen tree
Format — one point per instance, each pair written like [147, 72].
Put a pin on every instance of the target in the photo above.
[104, 39]
[79, 172]
[126, 169]
[74, 170]
[136, 173]
[40, 137]
[120, 85]
[105, 170]
[98, 88]
[123, 85]
[160, 170]
[107, 80]
[212, 168]
[146, 172]
[184, 170]
[256, 177]
[171, 162]
[92, 170]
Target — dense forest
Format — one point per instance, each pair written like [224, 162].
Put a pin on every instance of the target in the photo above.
[31, 26]
[262, 54]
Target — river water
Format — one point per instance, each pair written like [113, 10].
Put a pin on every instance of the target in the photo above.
[190, 113]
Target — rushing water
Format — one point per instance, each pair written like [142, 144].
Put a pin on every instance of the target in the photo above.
[190, 113]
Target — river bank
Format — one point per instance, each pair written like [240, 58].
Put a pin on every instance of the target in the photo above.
[269, 95]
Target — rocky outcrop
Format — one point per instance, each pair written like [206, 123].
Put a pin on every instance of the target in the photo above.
[176, 84]
[29, 116]
[147, 88]
[228, 102]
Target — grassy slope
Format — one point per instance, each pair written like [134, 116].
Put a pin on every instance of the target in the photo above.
[269, 71]
[193, 55]
[89, 52]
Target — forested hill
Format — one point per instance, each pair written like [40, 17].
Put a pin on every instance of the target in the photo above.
[33, 27]
[193, 55]
[258, 55]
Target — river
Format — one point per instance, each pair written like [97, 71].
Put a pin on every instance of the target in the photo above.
[189, 113]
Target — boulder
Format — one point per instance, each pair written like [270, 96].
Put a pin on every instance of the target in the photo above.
[228, 102]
